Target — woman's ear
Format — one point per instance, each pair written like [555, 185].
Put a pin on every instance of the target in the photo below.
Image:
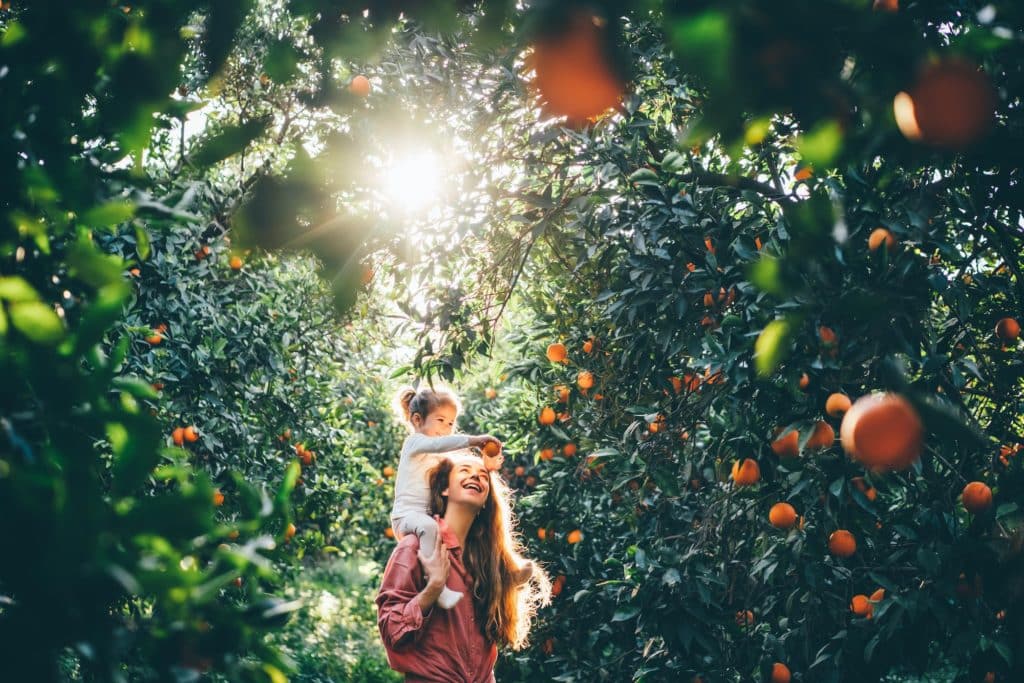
[444, 494]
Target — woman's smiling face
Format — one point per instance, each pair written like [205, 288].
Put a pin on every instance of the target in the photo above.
[469, 482]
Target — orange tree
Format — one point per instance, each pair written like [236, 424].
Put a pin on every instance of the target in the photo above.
[714, 296]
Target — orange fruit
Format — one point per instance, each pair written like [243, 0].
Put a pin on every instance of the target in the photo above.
[574, 75]
[977, 497]
[842, 543]
[828, 335]
[547, 416]
[879, 235]
[757, 243]
[878, 595]
[389, 532]
[691, 266]
[235, 263]
[805, 381]
[859, 484]
[562, 393]
[575, 536]
[490, 393]
[1007, 329]
[823, 435]
[542, 533]
[744, 618]
[191, 435]
[548, 646]
[531, 481]
[218, 498]
[886, 5]
[882, 431]
[788, 445]
[990, 677]
[491, 449]
[520, 470]
[588, 346]
[569, 450]
[359, 86]
[557, 353]
[871, 494]
[861, 606]
[289, 532]
[951, 105]
[585, 379]
[709, 300]
[287, 433]
[178, 436]
[154, 338]
[557, 585]
[388, 471]
[709, 245]
[746, 472]
[677, 384]
[837, 404]
[782, 516]
[306, 457]
[780, 673]
[135, 272]
[803, 173]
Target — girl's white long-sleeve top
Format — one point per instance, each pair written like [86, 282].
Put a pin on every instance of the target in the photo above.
[420, 453]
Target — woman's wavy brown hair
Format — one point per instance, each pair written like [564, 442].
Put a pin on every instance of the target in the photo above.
[492, 554]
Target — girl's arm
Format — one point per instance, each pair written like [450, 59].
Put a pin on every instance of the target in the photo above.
[421, 443]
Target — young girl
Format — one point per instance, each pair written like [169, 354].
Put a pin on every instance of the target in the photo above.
[430, 414]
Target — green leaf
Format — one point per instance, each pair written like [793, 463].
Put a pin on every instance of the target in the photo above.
[772, 346]
[820, 146]
[104, 311]
[704, 44]
[766, 274]
[106, 215]
[136, 387]
[16, 289]
[282, 61]
[91, 265]
[37, 321]
[230, 141]
[135, 441]
[625, 614]
[142, 242]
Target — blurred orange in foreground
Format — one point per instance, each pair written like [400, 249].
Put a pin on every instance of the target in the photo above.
[951, 105]
[573, 74]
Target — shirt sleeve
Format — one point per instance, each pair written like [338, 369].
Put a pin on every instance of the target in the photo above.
[399, 616]
[420, 443]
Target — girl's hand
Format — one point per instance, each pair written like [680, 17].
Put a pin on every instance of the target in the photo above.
[482, 440]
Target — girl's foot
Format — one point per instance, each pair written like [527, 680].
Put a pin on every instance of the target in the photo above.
[448, 598]
[523, 574]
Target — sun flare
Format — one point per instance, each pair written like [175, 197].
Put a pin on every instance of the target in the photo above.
[412, 182]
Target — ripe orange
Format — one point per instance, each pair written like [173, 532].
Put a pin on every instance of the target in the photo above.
[569, 450]
[360, 86]
[878, 595]
[557, 585]
[871, 494]
[883, 431]
[788, 445]
[491, 449]
[557, 353]
[546, 454]
[842, 543]
[547, 416]
[780, 673]
[861, 606]
[135, 272]
[803, 173]
[574, 76]
[389, 532]
[178, 436]
[757, 243]
[289, 532]
[520, 470]
[805, 381]
[886, 5]
[880, 235]
[585, 379]
[575, 536]
[191, 435]
[531, 481]
[837, 404]
[542, 533]
[490, 393]
[745, 618]
[782, 516]
[709, 300]
[155, 338]
[677, 384]
[218, 498]
[562, 393]
[548, 646]
[588, 346]
[951, 105]
[977, 497]
[823, 435]
[388, 471]
[1007, 329]
[746, 472]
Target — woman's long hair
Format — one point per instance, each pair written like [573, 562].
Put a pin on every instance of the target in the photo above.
[492, 554]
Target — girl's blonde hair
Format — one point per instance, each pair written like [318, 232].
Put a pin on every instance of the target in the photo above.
[492, 555]
[423, 401]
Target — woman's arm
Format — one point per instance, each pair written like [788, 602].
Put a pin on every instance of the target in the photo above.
[406, 596]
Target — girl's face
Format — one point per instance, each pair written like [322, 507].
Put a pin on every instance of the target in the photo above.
[438, 422]
[469, 482]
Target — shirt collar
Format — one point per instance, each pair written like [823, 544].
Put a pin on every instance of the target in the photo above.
[447, 535]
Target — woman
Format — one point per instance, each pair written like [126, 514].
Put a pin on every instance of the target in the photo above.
[475, 553]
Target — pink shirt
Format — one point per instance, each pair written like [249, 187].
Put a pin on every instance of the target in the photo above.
[442, 646]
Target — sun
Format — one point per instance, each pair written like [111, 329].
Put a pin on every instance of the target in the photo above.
[412, 182]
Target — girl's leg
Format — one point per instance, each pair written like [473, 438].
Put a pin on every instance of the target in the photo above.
[425, 527]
